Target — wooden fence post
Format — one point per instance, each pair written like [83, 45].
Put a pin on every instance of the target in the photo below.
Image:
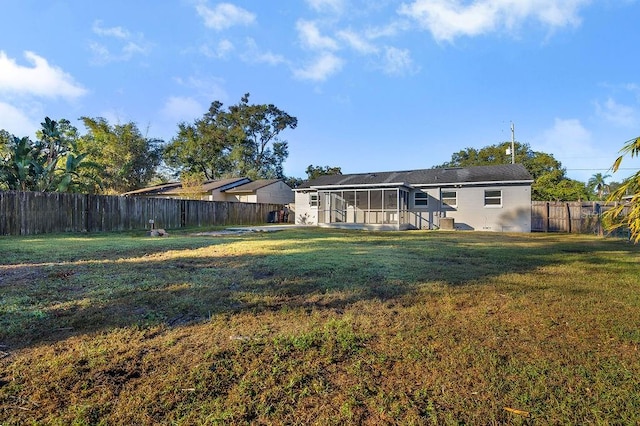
[545, 222]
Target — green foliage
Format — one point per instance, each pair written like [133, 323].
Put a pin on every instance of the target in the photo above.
[626, 214]
[550, 180]
[52, 163]
[317, 171]
[125, 159]
[293, 181]
[598, 184]
[21, 168]
[241, 141]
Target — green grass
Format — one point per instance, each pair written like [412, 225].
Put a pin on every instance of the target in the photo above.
[313, 326]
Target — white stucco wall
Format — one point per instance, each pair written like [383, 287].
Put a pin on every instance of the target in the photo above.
[305, 214]
[514, 215]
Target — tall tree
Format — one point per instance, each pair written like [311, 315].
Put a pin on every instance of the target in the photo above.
[202, 147]
[22, 168]
[317, 171]
[127, 159]
[51, 163]
[550, 180]
[598, 183]
[626, 213]
[6, 139]
[257, 150]
[243, 140]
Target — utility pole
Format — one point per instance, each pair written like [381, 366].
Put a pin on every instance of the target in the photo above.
[513, 144]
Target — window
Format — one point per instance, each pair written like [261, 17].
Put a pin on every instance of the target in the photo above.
[313, 200]
[493, 198]
[420, 199]
[450, 198]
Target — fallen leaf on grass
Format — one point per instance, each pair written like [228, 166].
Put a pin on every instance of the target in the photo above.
[516, 411]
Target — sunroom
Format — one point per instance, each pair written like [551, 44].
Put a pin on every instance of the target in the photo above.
[375, 207]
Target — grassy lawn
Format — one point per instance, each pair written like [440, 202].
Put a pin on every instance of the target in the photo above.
[311, 326]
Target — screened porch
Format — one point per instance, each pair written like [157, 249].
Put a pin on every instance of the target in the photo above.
[375, 206]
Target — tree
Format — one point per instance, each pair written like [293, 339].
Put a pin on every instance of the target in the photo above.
[317, 171]
[192, 185]
[127, 160]
[201, 147]
[241, 141]
[51, 163]
[617, 217]
[598, 183]
[21, 168]
[549, 177]
[257, 150]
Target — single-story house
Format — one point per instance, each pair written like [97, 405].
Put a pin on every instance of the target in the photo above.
[270, 191]
[487, 198]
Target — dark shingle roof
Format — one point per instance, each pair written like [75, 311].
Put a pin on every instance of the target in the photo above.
[252, 186]
[174, 188]
[440, 176]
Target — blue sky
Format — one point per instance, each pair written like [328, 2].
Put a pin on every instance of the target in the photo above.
[375, 84]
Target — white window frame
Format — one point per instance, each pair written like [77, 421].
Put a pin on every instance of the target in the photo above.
[455, 197]
[493, 197]
[314, 200]
[424, 197]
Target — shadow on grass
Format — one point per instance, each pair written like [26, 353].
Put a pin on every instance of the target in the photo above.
[91, 289]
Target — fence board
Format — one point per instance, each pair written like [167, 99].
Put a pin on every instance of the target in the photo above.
[575, 216]
[27, 213]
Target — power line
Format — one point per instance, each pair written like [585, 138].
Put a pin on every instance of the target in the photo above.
[606, 168]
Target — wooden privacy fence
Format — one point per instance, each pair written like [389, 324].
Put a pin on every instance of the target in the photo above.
[27, 213]
[573, 216]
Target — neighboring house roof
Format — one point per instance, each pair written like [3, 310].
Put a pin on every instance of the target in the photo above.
[425, 177]
[252, 186]
[156, 189]
[174, 188]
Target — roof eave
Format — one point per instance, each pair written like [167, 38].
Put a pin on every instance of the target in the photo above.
[479, 183]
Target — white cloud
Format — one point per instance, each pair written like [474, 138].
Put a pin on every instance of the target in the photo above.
[220, 51]
[207, 88]
[117, 32]
[224, 15]
[335, 6]
[566, 137]
[42, 79]
[254, 54]
[311, 38]
[126, 44]
[572, 144]
[181, 109]
[449, 19]
[357, 42]
[16, 122]
[323, 67]
[617, 114]
[397, 61]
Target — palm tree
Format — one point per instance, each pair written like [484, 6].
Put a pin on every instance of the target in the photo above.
[599, 184]
[626, 214]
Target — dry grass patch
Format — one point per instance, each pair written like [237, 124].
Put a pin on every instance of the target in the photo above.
[317, 326]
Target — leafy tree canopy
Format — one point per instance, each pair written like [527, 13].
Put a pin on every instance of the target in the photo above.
[598, 184]
[243, 140]
[550, 180]
[317, 171]
[127, 160]
[52, 163]
[626, 213]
